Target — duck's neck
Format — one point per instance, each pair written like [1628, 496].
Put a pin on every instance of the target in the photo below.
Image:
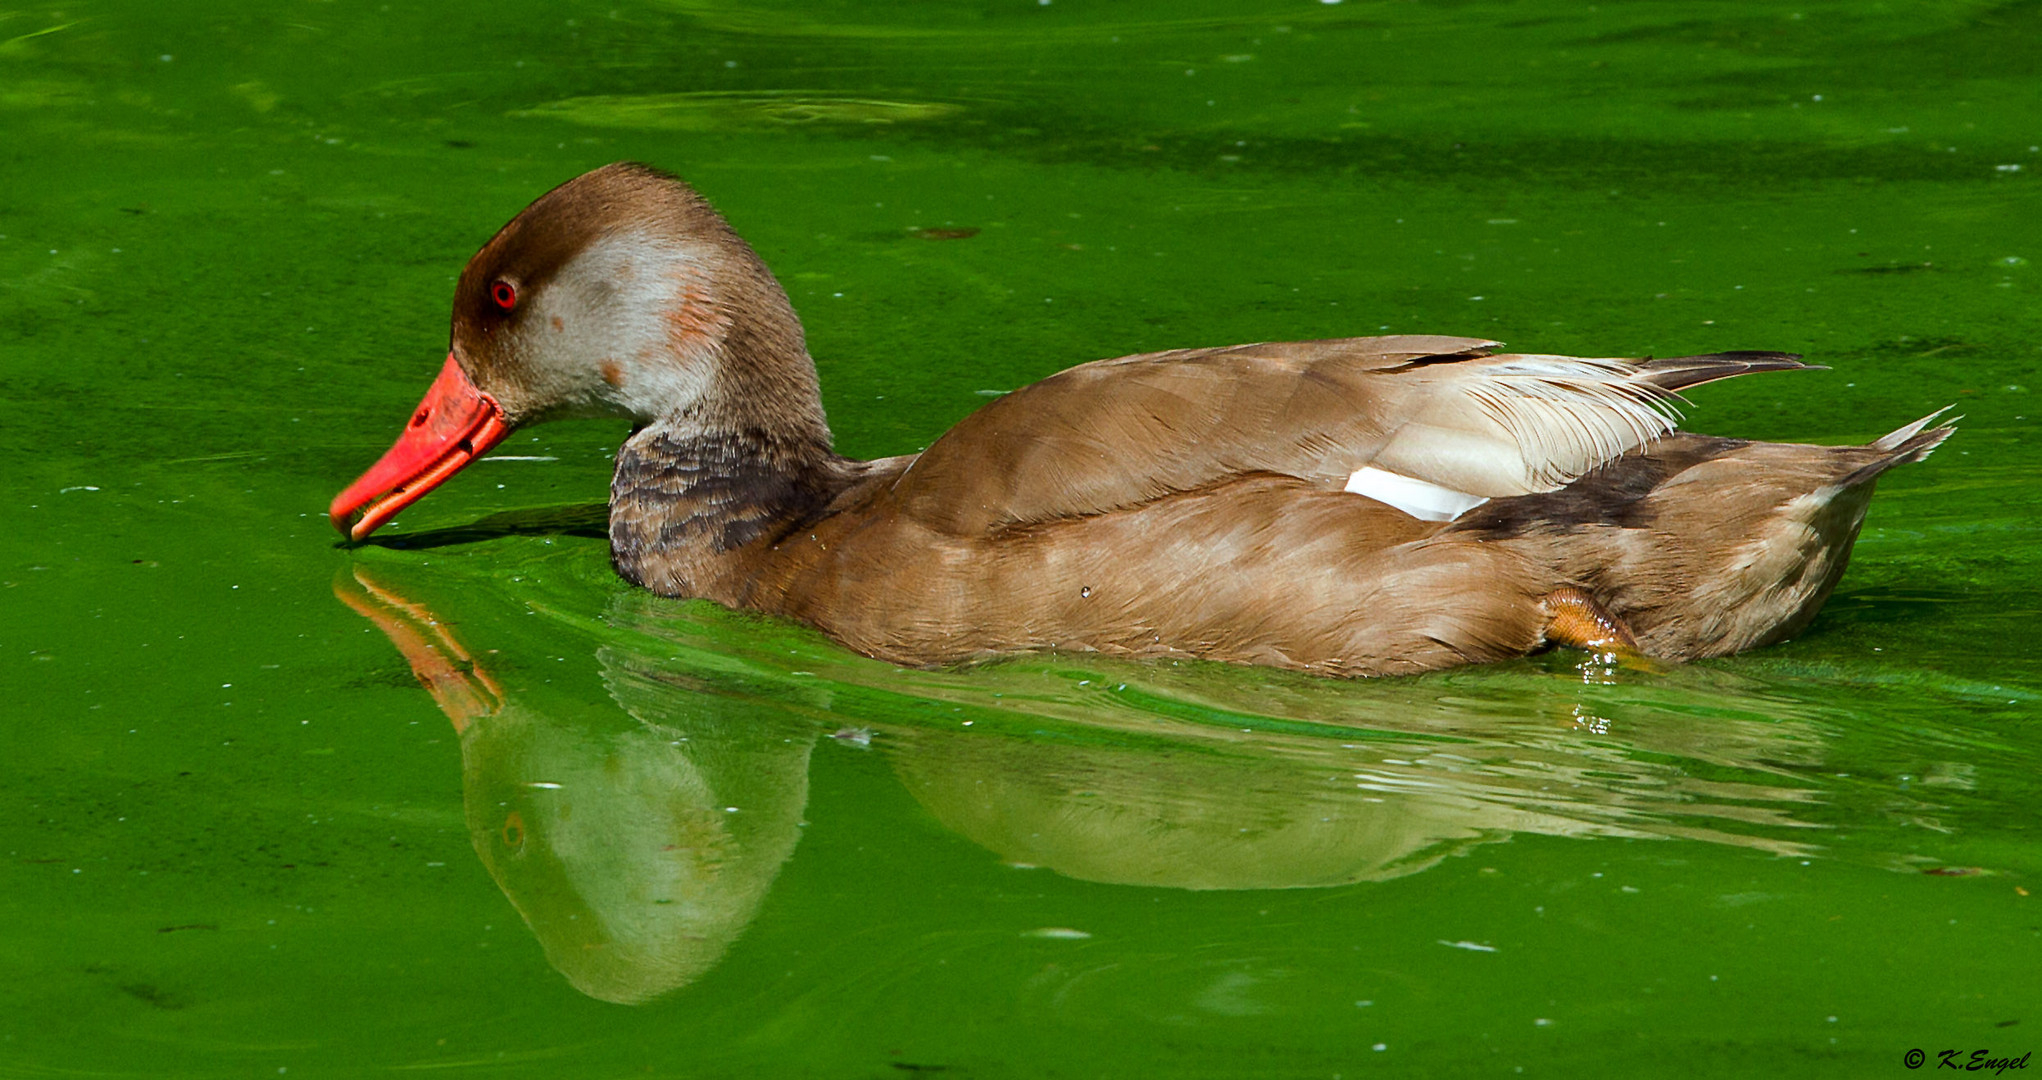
[739, 465]
[692, 495]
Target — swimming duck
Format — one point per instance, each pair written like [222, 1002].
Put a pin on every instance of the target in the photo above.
[1361, 506]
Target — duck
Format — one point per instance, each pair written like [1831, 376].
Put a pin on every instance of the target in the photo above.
[1362, 506]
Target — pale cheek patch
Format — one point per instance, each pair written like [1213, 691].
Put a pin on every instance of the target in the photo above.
[1418, 498]
[693, 320]
[634, 327]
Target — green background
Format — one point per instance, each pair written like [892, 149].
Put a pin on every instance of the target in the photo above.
[239, 840]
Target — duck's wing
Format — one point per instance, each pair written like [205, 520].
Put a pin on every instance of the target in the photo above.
[1446, 417]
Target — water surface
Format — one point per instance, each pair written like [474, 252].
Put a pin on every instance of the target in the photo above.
[617, 835]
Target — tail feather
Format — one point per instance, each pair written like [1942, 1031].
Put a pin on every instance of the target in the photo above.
[1900, 437]
[1677, 373]
[1913, 442]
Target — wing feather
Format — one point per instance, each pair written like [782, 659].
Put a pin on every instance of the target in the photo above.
[1439, 410]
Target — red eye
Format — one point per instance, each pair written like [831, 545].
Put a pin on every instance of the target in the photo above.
[505, 296]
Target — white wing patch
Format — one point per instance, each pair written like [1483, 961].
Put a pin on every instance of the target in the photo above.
[1569, 415]
[1519, 424]
[1418, 498]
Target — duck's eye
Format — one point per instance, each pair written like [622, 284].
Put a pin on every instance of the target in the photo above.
[504, 294]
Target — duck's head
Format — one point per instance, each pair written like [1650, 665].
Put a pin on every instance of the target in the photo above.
[619, 293]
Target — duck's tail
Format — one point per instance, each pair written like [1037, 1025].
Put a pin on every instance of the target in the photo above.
[1705, 546]
[1911, 443]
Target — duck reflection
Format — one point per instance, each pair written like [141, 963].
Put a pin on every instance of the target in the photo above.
[637, 853]
[1224, 808]
[638, 827]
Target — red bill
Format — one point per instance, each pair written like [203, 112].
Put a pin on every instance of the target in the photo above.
[454, 425]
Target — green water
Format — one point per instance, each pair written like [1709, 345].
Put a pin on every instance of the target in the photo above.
[239, 839]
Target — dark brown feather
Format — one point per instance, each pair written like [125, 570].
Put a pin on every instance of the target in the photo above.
[1677, 373]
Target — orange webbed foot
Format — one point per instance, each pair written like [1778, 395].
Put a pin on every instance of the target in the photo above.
[1574, 619]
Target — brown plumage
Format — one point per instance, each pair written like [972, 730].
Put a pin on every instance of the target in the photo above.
[1360, 506]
